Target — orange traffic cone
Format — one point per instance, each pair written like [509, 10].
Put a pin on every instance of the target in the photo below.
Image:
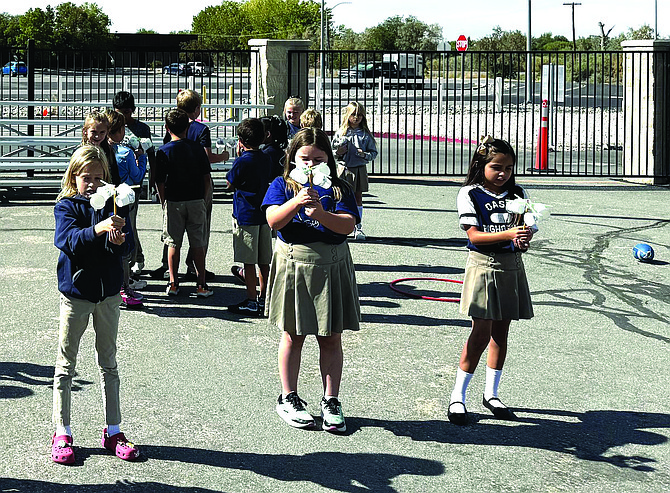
[542, 155]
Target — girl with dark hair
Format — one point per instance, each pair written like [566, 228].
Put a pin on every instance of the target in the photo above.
[495, 289]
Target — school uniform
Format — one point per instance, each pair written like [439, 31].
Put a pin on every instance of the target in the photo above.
[312, 287]
[495, 285]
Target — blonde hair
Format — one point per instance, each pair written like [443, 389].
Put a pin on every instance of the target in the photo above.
[91, 119]
[311, 118]
[188, 100]
[294, 102]
[116, 121]
[354, 108]
[83, 157]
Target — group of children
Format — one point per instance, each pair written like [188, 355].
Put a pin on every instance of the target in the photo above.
[307, 281]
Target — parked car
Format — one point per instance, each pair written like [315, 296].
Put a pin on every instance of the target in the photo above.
[14, 69]
[177, 69]
[199, 68]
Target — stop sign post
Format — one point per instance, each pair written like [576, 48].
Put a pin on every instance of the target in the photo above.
[462, 43]
[461, 46]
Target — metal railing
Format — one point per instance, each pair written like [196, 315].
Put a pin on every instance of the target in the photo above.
[427, 117]
[42, 111]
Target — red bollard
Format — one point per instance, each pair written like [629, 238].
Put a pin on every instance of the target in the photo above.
[542, 155]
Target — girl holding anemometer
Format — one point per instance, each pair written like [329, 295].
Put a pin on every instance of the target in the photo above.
[92, 244]
[495, 289]
[355, 146]
[312, 287]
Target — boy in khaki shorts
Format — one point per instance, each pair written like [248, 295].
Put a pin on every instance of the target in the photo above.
[183, 180]
[252, 237]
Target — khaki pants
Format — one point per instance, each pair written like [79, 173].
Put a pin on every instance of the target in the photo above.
[74, 316]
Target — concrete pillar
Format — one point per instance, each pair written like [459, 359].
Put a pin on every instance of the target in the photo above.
[270, 76]
[646, 111]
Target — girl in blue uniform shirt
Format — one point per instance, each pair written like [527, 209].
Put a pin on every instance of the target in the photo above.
[90, 275]
[312, 288]
[495, 290]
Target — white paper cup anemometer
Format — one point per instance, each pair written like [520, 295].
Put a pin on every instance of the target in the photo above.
[101, 196]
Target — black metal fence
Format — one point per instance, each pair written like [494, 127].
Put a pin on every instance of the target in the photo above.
[428, 110]
[95, 76]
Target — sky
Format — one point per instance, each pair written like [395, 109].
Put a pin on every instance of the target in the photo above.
[474, 20]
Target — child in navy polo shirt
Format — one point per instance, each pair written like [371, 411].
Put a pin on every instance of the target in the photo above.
[252, 238]
[183, 180]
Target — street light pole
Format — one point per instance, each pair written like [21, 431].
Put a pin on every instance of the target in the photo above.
[574, 40]
[321, 86]
[528, 60]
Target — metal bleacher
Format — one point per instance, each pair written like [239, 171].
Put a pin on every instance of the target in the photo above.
[35, 152]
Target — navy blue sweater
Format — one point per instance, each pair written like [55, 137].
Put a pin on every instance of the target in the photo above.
[89, 266]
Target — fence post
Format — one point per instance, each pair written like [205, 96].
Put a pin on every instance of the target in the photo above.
[270, 77]
[30, 61]
[647, 118]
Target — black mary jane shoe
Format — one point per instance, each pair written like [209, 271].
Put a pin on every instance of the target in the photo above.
[499, 412]
[460, 419]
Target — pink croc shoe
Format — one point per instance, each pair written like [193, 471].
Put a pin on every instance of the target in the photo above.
[120, 446]
[61, 449]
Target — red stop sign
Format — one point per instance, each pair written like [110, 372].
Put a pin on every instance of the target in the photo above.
[462, 43]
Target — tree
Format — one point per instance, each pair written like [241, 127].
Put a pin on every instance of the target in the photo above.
[384, 36]
[415, 35]
[231, 24]
[9, 30]
[643, 32]
[142, 30]
[344, 38]
[549, 42]
[78, 27]
[501, 40]
[37, 24]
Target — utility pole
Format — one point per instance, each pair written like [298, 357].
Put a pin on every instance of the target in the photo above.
[574, 40]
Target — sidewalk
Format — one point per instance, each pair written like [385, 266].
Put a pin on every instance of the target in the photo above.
[588, 376]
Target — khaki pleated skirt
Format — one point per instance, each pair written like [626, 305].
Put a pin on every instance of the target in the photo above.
[495, 287]
[312, 289]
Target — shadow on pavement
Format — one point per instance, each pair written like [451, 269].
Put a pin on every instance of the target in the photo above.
[22, 374]
[34, 486]
[587, 436]
[335, 470]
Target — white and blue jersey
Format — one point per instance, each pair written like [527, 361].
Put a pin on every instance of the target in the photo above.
[486, 210]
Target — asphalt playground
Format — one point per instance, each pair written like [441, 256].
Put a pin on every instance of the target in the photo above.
[587, 377]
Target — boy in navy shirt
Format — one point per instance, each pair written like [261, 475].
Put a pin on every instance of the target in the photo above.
[252, 237]
[183, 180]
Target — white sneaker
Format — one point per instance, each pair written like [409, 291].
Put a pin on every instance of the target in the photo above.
[136, 284]
[292, 410]
[359, 235]
[136, 268]
[331, 412]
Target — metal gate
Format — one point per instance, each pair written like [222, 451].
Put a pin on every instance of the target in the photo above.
[427, 110]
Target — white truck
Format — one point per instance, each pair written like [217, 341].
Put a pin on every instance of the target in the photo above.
[409, 64]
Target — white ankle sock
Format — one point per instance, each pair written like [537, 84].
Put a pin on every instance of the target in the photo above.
[63, 430]
[462, 380]
[492, 382]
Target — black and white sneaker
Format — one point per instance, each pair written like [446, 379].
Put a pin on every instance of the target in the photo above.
[331, 412]
[246, 307]
[292, 410]
[261, 306]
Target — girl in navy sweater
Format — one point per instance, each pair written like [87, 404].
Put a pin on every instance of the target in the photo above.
[91, 243]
